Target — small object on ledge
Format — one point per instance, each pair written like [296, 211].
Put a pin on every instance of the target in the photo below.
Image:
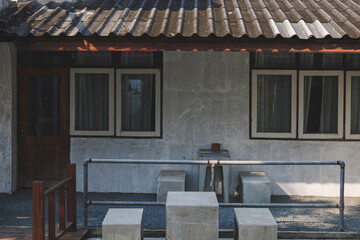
[215, 147]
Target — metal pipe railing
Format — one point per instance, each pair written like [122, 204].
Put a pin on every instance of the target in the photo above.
[213, 163]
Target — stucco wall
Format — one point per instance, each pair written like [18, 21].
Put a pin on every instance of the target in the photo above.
[7, 118]
[3, 4]
[206, 100]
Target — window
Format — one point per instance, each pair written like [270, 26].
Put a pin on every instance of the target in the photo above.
[321, 104]
[92, 101]
[274, 103]
[352, 129]
[138, 102]
[318, 79]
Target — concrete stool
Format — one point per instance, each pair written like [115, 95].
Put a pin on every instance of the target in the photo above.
[170, 180]
[123, 224]
[254, 224]
[255, 187]
[192, 215]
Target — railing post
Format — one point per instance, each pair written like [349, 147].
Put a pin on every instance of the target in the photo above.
[38, 208]
[86, 192]
[71, 197]
[62, 224]
[342, 198]
[51, 216]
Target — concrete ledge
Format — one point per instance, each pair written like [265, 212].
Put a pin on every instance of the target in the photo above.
[170, 180]
[254, 224]
[123, 224]
[255, 187]
[192, 215]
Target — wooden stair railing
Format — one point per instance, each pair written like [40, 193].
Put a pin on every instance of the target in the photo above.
[38, 197]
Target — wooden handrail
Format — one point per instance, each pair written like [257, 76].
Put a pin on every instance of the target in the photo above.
[58, 185]
[39, 195]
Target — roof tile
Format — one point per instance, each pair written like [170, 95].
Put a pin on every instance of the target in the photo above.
[238, 18]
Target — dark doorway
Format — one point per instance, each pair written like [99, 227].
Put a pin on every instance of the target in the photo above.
[44, 126]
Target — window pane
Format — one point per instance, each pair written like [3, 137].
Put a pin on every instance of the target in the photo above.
[43, 106]
[355, 105]
[92, 59]
[353, 61]
[138, 102]
[320, 61]
[274, 103]
[275, 60]
[91, 101]
[321, 104]
[135, 59]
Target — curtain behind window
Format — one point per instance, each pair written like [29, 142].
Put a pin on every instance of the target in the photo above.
[138, 102]
[91, 101]
[320, 104]
[274, 103]
[355, 104]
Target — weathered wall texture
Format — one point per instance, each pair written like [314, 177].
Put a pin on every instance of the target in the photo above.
[3, 4]
[206, 100]
[7, 118]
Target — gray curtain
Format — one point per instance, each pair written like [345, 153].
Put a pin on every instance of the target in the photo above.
[355, 104]
[274, 103]
[138, 102]
[325, 99]
[91, 101]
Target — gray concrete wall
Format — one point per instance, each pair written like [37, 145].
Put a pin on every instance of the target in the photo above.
[8, 118]
[206, 100]
[3, 4]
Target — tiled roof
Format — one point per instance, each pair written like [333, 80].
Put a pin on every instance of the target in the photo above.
[303, 19]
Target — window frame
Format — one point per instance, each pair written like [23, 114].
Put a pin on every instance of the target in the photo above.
[157, 73]
[340, 133]
[348, 134]
[73, 131]
[254, 132]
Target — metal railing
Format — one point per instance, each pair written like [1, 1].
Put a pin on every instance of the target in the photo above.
[213, 163]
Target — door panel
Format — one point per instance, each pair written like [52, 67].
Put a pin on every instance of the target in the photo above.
[44, 141]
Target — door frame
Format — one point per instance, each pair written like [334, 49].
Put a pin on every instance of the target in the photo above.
[23, 139]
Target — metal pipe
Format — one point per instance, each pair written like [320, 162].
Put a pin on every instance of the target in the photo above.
[85, 201]
[231, 205]
[220, 162]
[127, 203]
[342, 189]
[212, 181]
[279, 205]
[213, 163]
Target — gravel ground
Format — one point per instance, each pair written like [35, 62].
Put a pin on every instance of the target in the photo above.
[15, 210]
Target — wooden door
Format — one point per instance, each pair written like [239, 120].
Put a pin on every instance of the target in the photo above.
[44, 126]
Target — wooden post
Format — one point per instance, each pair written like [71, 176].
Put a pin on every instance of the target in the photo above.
[51, 216]
[71, 196]
[62, 208]
[38, 209]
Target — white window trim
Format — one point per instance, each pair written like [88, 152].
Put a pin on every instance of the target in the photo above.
[340, 75]
[74, 132]
[348, 135]
[155, 133]
[254, 131]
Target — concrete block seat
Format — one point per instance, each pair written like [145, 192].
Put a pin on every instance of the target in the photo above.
[255, 187]
[254, 224]
[170, 180]
[123, 224]
[192, 216]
